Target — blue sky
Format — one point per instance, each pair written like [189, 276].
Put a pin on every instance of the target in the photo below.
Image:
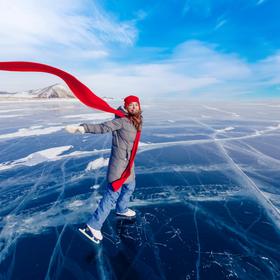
[194, 49]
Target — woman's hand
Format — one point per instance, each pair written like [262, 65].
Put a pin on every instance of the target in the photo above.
[75, 129]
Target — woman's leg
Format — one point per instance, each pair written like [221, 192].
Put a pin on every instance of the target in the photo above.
[105, 205]
[124, 197]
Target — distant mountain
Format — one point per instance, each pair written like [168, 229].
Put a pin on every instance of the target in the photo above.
[53, 91]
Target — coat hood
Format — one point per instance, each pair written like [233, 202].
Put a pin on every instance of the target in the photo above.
[121, 108]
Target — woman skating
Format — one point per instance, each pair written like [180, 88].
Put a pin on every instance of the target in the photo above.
[123, 131]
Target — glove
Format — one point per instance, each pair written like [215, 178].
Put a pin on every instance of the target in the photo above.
[75, 129]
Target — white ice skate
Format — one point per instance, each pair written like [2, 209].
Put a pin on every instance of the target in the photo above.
[129, 213]
[92, 234]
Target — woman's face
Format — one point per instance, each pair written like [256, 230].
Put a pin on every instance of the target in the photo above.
[133, 107]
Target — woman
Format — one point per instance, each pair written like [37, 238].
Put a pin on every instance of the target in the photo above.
[123, 132]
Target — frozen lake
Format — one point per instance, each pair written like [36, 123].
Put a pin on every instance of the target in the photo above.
[207, 193]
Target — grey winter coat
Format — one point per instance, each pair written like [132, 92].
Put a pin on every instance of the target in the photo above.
[123, 132]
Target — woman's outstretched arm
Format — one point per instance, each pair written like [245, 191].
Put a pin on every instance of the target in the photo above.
[104, 127]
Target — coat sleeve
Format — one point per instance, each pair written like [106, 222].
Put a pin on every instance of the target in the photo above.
[104, 127]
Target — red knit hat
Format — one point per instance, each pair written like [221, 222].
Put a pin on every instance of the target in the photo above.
[131, 98]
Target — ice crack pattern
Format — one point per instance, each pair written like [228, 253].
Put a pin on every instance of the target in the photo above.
[207, 194]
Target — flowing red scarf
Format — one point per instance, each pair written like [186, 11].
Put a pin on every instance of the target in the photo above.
[84, 94]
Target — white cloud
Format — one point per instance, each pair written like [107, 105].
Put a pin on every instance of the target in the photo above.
[259, 2]
[201, 8]
[194, 69]
[199, 58]
[220, 23]
[193, 66]
[268, 70]
[31, 29]
[147, 81]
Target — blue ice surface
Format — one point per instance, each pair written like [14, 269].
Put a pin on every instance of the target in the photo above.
[207, 194]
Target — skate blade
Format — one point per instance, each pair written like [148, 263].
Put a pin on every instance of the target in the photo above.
[83, 231]
[125, 217]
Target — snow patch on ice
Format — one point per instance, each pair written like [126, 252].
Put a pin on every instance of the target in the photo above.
[76, 203]
[143, 144]
[11, 110]
[95, 187]
[31, 131]
[97, 163]
[225, 129]
[11, 116]
[36, 158]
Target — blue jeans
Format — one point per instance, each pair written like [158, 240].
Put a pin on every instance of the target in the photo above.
[110, 199]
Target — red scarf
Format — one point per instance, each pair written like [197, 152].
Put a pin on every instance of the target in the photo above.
[84, 94]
